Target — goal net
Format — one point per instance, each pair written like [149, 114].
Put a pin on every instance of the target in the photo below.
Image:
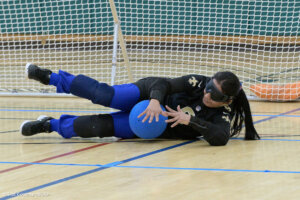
[257, 40]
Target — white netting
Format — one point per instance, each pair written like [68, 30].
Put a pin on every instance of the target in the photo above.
[258, 40]
[75, 36]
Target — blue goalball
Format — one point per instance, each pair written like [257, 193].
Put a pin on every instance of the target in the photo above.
[146, 130]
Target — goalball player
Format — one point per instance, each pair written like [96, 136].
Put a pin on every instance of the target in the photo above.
[214, 108]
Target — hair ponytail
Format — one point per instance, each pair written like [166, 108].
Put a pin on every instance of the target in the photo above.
[242, 112]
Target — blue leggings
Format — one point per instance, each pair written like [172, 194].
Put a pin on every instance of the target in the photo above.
[122, 97]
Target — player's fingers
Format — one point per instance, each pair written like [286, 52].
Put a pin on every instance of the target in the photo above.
[146, 117]
[164, 113]
[175, 124]
[170, 114]
[151, 117]
[170, 109]
[157, 117]
[142, 113]
[171, 120]
[178, 108]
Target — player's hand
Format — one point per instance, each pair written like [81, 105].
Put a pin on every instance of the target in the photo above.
[153, 110]
[178, 117]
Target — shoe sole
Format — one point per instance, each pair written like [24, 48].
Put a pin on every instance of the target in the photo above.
[26, 68]
[21, 127]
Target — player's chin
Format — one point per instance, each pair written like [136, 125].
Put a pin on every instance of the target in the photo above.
[207, 102]
[211, 103]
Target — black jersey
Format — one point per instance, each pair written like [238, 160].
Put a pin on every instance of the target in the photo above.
[213, 124]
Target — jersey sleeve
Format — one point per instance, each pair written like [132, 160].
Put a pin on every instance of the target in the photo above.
[160, 87]
[217, 132]
[187, 83]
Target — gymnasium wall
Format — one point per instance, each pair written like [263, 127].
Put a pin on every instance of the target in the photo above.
[151, 17]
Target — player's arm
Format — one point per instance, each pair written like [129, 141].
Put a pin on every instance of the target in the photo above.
[187, 83]
[216, 133]
[158, 88]
[155, 89]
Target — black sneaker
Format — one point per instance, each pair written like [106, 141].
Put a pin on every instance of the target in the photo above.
[36, 73]
[41, 125]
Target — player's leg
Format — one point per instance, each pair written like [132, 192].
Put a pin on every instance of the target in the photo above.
[122, 97]
[104, 125]
[68, 126]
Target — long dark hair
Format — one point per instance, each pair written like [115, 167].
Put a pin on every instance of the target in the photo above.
[241, 112]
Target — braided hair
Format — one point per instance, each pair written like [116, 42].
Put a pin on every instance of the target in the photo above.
[231, 86]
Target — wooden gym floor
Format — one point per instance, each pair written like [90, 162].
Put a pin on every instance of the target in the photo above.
[47, 166]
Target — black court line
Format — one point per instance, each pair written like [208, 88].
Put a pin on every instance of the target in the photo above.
[12, 131]
[17, 143]
[56, 108]
[15, 118]
[273, 135]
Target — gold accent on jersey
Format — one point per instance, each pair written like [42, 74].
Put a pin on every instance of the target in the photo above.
[227, 108]
[226, 118]
[188, 110]
[193, 81]
[199, 85]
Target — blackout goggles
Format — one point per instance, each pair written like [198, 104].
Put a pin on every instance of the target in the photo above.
[216, 94]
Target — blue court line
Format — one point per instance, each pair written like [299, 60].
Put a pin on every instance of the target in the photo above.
[95, 170]
[115, 164]
[263, 112]
[215, 169]
[120, 162]
[275, 116]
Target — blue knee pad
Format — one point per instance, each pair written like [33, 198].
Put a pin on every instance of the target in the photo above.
[121, 125]
[122, 97]
[88, 88]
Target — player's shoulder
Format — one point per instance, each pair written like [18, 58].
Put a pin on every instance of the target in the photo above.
[196, 76]
[196, 80]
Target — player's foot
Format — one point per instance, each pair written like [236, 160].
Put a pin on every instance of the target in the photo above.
[39, 74]
[41, 125]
